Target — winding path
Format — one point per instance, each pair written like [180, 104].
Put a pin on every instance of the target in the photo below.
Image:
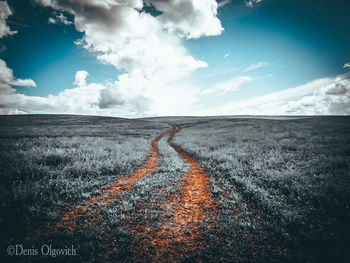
[194, 207]
[126, 183]
[189, 228]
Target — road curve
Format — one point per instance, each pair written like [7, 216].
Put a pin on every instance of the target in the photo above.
[126, 183]
[192, 208]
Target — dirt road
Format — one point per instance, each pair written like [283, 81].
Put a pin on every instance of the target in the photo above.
[179, 236]
[126, 183]
[188, 226]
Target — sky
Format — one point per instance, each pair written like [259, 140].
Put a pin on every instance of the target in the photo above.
[142, 58]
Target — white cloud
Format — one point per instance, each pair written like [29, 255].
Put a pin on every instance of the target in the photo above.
[157, 66]
[227, 86]
[223, 3]
[23, 83]
[148, 48]
[346, 65]
[321, 96]
[129, 96]
[226, 55]
[85, 98]
[251, 3]
[256, 66]
[59, 18]
[5, 12]
[52, 20]
[80, 78]
[191, 18]
[8, 96]
[7, 79]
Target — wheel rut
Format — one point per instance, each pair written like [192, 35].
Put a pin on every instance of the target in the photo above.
[192, 210]
[70, 218]
[189, 226]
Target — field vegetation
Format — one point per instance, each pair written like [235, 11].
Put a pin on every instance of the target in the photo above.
[50, 163]
[287, 179]
[180, 189]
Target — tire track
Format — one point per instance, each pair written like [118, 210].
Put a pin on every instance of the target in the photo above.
[193, 209]
[70, 218]
[189, 226]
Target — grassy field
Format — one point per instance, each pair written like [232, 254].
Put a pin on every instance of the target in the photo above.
[217, 190]
[289, 178]
[50, 163]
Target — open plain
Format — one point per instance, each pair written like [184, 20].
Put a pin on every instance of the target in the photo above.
[176, 189]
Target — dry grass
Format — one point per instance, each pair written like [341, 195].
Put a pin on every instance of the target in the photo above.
[283, 186]
[292, 174]
[50, 163]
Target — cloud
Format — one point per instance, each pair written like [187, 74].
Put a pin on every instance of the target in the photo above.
[331, 99]
[322, 96]
[223, 3]
[2, 48]
[5, 12]
[190, 18]
[80, 78]
[252, 3]
[52, 20]
[8, 96]
[227, 86]
[148, 48]
[85, 98]
[7, 79]
[109, 98]
[255, 66]
[127, 96]
[338, 88]
[226, 55]
[59, 18]
[23, 82]
[346, 65]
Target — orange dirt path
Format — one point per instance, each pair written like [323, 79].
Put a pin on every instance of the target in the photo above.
[193, 208]
[126, 183]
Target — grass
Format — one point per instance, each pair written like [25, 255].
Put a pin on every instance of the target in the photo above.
[295, 175]
[136, 212]
[50, 163]
[283, 186]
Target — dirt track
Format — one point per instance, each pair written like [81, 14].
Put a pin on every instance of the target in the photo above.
[179, 235]
[263, 191]
[188, 228]
[126, 183]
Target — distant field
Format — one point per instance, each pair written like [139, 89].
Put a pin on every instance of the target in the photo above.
[181, 189]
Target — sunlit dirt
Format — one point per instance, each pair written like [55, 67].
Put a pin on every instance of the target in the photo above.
[69, 219]
[188, 225]
[192, 209]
